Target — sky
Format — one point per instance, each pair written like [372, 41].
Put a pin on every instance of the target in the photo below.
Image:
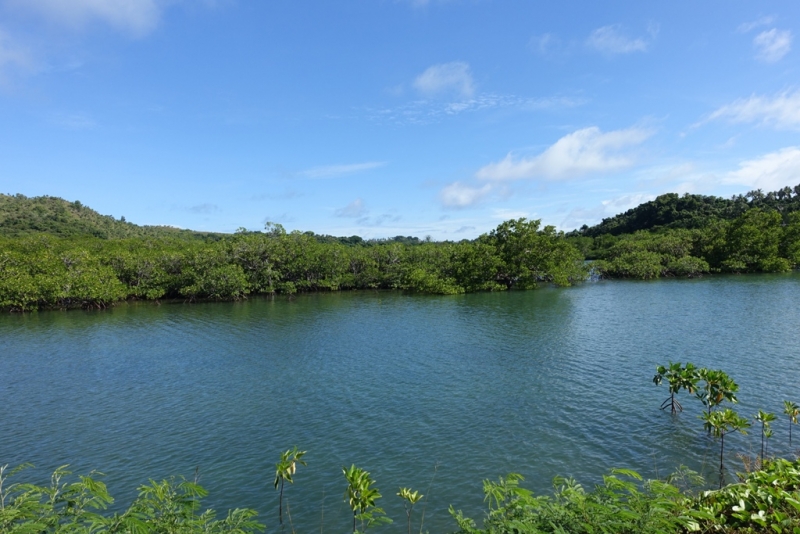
[379, 118]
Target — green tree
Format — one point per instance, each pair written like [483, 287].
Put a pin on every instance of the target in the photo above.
[410, 498]
[765, 418]
[753, 243]
[360, 495]
[678, 378]
[792, 411]
[284, 472]
[720, 424]
[717, 388]
[530, 256]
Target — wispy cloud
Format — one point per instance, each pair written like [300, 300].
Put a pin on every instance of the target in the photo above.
[75, 121]
[772, 45]
[332, 171]
[547, 45]
[13, 57]
[446, 79]
[379, 220]
[609, 40]
[503, 214]
[781, 110]
[288, 194]
[204, 209]
[753, 24]
[770, 172]
[582, 152]
[459, 195]
[136, 17]
[427, 111]
[354, 210]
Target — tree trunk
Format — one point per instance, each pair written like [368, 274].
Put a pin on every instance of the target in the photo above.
[721, 467]
[280, 505]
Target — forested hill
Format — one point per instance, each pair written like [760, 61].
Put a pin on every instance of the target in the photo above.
[21, 216]
[692, 211]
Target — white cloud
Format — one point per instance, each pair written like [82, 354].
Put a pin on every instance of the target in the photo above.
[781, 110]
[137, 17]
[446, 78]
[609, 40]
[625, 202]
[762, 21]
[770, 172]
[582, 152]
[355, 209]
[458, 195]
[772, 45]
[331, 171]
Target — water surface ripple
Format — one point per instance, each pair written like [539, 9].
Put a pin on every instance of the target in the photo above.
[435, 393]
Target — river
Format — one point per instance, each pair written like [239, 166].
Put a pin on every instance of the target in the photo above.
[431, 392]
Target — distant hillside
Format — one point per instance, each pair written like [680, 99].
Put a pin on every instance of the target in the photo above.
[21, 215]
[691, 211]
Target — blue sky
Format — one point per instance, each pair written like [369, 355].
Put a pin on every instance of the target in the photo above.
[394, 117]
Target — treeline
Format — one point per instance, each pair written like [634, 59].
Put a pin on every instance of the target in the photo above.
[672, 211]
[759, 240]
[44, 271]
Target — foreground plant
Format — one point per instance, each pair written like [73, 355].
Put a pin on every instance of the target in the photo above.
[360, 495]
[169, 506]
[624, 503]
[284, 472]
[793, 411]
[765, 418]
[410, 498]
[764, 501]
[720, 424]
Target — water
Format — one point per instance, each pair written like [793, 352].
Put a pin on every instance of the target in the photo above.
[435, 393]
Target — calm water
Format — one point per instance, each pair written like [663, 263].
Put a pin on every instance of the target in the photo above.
[436, 393]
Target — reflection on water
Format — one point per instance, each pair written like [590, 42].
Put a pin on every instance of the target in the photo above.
[548, 382]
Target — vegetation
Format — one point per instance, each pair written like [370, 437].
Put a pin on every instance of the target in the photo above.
[673, 211]
[678, 378]
[693, 235]
[23, 216]
[59, 254]
[172, 506]
[43, 271]
[361, 495]
[284, 472]
[792, 410]
[410, 498]
[767, 500]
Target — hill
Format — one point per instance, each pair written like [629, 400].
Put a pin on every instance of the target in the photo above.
[21, 216]
[691, 211]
